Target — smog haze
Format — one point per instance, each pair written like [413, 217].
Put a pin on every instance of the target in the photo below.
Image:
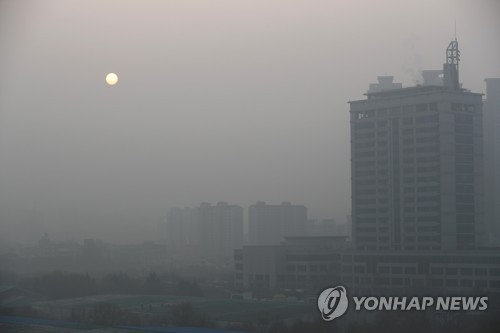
[236, 101]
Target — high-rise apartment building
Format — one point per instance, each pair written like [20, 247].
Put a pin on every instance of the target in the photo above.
[417, 165]
[182, 232]
[220, 229]
[491, 121]
[270, 224]
[207, 234]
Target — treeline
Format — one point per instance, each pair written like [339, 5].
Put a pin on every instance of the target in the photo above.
[58, 284]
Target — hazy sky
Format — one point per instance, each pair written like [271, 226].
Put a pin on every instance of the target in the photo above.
[234, 100]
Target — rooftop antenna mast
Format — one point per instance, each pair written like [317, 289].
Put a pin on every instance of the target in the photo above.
[455, 29]
[450, 68]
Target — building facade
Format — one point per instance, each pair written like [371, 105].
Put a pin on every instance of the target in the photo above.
[491, 121]
[417, 167]
[311, 264]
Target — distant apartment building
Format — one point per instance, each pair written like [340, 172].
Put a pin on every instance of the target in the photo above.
[417, 164]
[182, 232]
[269, 224]
[206, 234]
[491, 121]
[220, 232]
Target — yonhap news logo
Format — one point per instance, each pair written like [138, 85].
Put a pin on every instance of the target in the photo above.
[333, 302]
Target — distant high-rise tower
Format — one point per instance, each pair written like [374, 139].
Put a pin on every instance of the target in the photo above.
[269, 224]
[417, 166]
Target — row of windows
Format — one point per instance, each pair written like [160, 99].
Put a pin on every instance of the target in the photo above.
[465, 218]
[365, 114]
[422, 209]
[464, 283]
[419, 282]
[365, 173]
[313, 268]
[365, 125]
[463, 118]
[464, 129]
[464, 139]
[397, 270]
[427, 119]
[366, 229]
[464, 149]
[368, 144]
[434, 218]
[464, 179]
[427, 129]
[429, 229]
[465, 228]
[466, 271]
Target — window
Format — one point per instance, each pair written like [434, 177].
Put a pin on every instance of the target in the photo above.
[466, 283]
[464, 198]
[369, 144]
[366, 220]
[359, 269]
[421, 107]
[365, 229]
[464, 168]
[360, 154]
[432, 168]
[365, 173]
[427, 139]
[464, 159]
[464, 188]
[365, 163]
[410, 270]
[463, 119]
[428, 179]
[436, 282]
[369, 201]
[428, 149]
[397, 270]
[429, 229]
[383, 270]
[427, 119]
[428, 219]
[347, 269]
[463, 129]
[365, 114]
[432, 129]
[428, 198]
[463, 149]
[452, 283]
[365, 125]
[407, 121]
[437, 270]
[464, 139]
[366, 135]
